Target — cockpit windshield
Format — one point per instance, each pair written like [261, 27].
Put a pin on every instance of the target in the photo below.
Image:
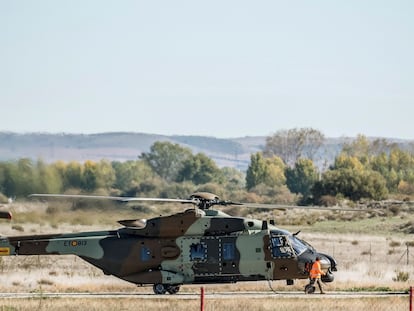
[298, 245]
[280, 238]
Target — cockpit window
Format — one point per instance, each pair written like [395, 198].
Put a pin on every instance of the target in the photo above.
[280, 247]
[297, 245]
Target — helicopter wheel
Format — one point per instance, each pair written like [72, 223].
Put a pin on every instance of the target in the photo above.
[159, 289]
[309, 289]
[173, 289]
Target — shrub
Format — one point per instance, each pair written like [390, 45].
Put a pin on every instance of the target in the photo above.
[401, 276]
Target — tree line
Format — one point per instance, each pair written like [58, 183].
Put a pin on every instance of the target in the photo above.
[284, 172]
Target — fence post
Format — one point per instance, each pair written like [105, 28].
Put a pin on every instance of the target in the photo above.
[202, 299]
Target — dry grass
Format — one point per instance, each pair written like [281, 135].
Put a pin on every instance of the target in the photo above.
[280, 304]
[370, 252]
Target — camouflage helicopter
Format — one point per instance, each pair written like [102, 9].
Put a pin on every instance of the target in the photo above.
[200, 245]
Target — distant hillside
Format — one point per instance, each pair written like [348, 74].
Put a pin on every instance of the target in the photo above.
[122, 146]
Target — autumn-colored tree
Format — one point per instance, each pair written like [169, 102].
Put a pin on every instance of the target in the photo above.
[105, 174]
[268, 171]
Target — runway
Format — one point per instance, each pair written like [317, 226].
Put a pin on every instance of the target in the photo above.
[211, 295]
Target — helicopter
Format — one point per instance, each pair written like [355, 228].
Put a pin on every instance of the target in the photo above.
[199, 245]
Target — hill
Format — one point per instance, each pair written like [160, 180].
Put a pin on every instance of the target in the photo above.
[122, 146]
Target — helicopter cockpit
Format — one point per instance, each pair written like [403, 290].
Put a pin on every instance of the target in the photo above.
[286, 245]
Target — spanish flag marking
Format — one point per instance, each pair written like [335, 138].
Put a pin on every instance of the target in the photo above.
[4, 251]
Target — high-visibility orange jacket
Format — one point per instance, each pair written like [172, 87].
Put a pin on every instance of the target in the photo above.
[316, 272]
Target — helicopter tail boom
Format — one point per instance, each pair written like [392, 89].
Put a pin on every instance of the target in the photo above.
[80, 244]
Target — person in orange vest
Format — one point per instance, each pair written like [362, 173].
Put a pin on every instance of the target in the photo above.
[316, 273]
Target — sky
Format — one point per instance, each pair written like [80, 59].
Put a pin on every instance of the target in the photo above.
[225, 69]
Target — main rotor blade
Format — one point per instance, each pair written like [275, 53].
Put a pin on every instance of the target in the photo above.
[286, 207]
[102, 197]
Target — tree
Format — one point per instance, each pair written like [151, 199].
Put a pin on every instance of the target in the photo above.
[9, 179]
[199, 169]
[105, 174]
[89, 180]
[234, 180]
[290, 145]
[359, 147]
[256, 172]
[73, 176]
[275, 172]
[166, 159]
[302, 177]
[26, 181]
[130, 173]
[363, 148]
[268, 171]
[49, 179]
[351, 183]
[345, 161]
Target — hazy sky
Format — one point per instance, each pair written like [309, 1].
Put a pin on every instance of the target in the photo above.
[216, 68]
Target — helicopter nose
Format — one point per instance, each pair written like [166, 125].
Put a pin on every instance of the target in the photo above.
[328, 264]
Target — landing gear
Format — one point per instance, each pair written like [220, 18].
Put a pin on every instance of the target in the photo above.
[161, 289]
[309, 289]
[173, 289]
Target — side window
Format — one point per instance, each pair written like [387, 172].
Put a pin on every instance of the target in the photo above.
[198, 252]
[145, 253]
[281, 247]
[228, 251]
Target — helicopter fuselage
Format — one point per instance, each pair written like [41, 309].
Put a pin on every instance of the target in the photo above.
[192, 247]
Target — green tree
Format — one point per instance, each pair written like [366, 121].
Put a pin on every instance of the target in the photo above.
[352, 184]
[49, 179]
[267, 171]
[256, 172]
[166, 159]
[130, 173]
[302, 177]
[26, 181]
[199, 169]
[9, 184]
[89, 180]
[234, 180]
[73, 176]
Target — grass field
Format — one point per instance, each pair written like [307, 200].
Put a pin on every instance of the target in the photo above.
[352, 304]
